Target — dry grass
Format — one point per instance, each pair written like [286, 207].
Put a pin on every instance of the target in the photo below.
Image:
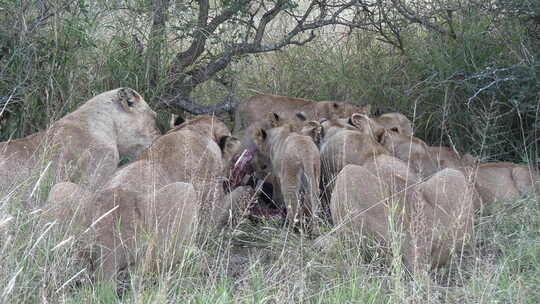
[267, 263]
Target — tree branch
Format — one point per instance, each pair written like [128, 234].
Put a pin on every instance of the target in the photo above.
[227, 105]
[200, 36]
[317, 14]
[155, 41]
[412, 16]
[266, 18]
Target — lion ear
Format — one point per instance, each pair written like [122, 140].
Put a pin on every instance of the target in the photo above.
[357, 120]
[274, 119]
[176, 120]
[259, 136]
[301, 116]
[229, 144]
[379, 135]
[128, 98]
[313, 129]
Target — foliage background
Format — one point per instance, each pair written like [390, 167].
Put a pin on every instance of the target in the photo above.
[472, 82]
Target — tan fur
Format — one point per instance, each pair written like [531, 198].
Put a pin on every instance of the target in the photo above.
[504, 181]
[190, 153]
[85, 145]
[446, 157]
[345, 144]
[396, 122]
[116, 223]
[187, 155]
[425, 160]
[294, 163]
[333, 126]
[493, 181]
[152, 211]
[270, 120]
[255, 108]
[367, 126]
[469, 160]
[435, 217]
[412, 151]
[362, 196]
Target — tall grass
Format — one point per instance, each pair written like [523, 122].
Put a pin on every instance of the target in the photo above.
[254, 263]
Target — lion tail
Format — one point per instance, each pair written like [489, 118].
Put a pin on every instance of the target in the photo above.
[309, 188]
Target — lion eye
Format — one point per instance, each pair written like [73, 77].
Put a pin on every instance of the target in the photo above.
[394, 129]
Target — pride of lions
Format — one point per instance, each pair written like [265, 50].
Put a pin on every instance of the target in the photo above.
[320, 163]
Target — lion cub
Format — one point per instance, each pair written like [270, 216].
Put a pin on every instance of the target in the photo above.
[289, 154]
[199, 151]
[396, 122]
[114, 224]
[493, 181]
[347, 141]
[256, 108]
[503, 181]
[376, 193]
[411, 150]
[425, 160]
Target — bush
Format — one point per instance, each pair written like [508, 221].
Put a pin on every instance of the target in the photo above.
[477, 92]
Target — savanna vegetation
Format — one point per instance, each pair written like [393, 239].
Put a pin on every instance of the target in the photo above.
[467, 73]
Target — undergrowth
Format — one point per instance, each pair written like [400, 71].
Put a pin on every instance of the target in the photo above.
[266, 263]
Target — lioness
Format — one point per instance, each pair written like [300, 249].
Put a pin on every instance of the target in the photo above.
[270, 120]
[493, 180]
[424, 159]
[293, 160]
[114, 222]
[193, 156]
[428, 220]
[446, 157]
[255, 108]
[87, 143]
[198, 151]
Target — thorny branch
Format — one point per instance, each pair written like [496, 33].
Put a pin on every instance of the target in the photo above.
[227, 105]
[189, 70]
[481, 82]
[254, 19]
